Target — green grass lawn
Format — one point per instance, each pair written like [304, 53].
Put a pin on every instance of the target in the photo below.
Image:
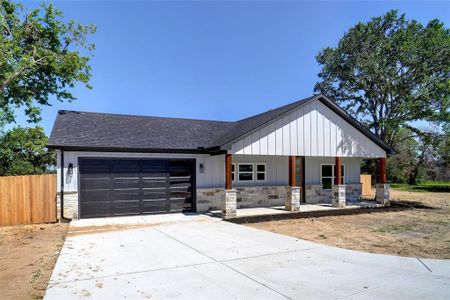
[428, 186]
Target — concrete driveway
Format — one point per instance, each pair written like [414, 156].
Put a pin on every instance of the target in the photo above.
[198, 257]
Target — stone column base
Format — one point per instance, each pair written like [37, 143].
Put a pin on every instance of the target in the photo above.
[292, 202]
[229, 204]
[382, 194]
[339, 195]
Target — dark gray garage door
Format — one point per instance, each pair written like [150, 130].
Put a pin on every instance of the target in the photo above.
[118, 187]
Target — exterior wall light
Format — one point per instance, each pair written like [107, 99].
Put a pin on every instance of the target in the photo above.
[70, 169]
[69, 173]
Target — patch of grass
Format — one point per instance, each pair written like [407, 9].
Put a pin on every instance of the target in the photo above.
[441, 222]
[36, 275]
[412, 226]
[427, 186]
[407, 227]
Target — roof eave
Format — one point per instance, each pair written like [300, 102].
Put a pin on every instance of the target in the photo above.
[124, 149]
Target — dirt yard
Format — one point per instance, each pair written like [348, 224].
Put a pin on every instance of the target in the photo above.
[27, 256]
[420, 230]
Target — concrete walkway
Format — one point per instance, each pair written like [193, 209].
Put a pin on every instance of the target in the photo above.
[199, 257]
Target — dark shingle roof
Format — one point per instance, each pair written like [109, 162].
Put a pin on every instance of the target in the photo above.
[98, 130]
[84, 130]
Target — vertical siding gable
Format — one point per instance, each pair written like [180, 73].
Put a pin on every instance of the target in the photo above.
[311, 130]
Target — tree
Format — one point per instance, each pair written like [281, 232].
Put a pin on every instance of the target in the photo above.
[24, 152]
[389, 73]
[40, 56]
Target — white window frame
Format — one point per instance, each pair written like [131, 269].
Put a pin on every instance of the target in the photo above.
[333, 166]
[246, 172]
[260, 172]
[233, 173]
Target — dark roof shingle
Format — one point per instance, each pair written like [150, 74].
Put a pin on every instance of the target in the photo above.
[99, 130]
[84, 130]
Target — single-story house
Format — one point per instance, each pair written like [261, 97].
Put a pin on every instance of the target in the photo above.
[309, 151]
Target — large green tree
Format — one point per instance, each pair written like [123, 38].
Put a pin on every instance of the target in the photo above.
[390, 72]
[24, 152]
[40, 56]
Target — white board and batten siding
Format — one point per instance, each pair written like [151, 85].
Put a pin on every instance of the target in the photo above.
[310, 130]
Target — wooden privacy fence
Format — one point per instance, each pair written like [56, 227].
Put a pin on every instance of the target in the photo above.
[27, 199]
[366, 185]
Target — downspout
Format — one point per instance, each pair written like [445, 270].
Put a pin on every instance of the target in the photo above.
[61, 193]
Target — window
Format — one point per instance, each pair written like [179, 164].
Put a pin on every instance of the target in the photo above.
[260, 172]
[298, 171]
[328, 176]
[233, 168]
[245, 172]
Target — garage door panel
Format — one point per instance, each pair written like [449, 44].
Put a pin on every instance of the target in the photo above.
[122, 183]
[125, 166]
[95, 196]
[95, 183]
[126, 194]
[155, 167]
[96, 166]
[155, 206]
[126, 211]
[155, 197]
[148, 184]
[95, 210]
[112, 187]
[125, 204]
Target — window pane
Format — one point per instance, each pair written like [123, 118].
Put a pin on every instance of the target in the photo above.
[342, 170]
[327, 170]
[326, 183]
[261, 176]
[245, 176]
[232, 176]
[260, 168]
[245, 168]
[232, 168]
[298, 179]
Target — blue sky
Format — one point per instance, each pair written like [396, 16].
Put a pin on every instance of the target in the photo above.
[212, 60]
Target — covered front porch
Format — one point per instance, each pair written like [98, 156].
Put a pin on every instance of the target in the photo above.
[301, 193]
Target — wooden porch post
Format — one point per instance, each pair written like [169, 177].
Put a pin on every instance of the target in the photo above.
[382, 170]
[292, 171]
[337, 171]
[228, 184]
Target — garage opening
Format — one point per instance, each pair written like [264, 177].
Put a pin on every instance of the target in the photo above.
[121, 187]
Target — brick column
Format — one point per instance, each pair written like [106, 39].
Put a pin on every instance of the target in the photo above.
[339, 196]
[382, 193]
[229, 203]
[292, 202]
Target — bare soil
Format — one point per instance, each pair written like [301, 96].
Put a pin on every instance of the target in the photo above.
[420, 230]
[28, 255]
